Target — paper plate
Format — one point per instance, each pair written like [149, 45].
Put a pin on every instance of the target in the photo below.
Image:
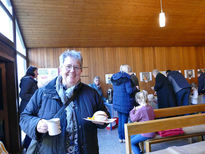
[106, 121]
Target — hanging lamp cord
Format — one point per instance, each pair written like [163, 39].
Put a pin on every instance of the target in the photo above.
[161, 5]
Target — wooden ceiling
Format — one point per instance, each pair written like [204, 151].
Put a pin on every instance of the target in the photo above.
[110, 23]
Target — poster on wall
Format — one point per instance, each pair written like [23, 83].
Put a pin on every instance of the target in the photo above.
[108, 78]
[45, 75]
[145, 76]
[189, 73]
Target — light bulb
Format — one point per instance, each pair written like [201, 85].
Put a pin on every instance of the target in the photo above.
[162, 19]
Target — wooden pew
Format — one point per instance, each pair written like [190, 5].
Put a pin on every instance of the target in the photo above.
[174, 119]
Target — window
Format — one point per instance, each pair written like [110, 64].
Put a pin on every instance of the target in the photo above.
[19, 42]
[21, 67]
[7, 4]
[6, 26]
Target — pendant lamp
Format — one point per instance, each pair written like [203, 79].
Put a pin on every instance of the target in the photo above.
[162, 19]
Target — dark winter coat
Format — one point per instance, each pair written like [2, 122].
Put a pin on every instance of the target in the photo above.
[45, 103]
[178, 81]
[28, 87]
[165, 93]
[123, 92]
[98, 89]
[201, 84]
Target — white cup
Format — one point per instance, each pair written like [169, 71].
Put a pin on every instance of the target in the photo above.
[54, 127]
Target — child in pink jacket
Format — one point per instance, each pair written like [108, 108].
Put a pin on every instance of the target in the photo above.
[143, 112]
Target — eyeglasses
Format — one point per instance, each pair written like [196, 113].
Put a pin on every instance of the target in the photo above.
[75, 68]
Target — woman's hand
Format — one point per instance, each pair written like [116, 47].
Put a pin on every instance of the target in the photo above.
[42, 126]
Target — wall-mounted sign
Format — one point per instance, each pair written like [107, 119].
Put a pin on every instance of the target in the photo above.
[108, 78]
[45, 75]
[145, 76]
[189, 73]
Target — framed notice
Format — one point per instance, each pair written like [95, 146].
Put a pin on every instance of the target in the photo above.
[108, 78]
[45, 75]
[145, 76]
[189, 73]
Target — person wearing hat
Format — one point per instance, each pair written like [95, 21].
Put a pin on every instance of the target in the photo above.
[28, 86]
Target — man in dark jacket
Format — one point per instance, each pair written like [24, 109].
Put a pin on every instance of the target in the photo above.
[71, 101]
[181, 87]
[165, 93]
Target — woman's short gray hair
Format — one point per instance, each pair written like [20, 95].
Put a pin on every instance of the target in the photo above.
[73, 54]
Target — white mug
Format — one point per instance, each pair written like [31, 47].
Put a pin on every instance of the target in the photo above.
[54, 127]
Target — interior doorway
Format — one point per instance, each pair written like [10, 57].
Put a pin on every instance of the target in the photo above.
[3, 107]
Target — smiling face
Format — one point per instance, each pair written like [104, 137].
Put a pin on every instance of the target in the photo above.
[70, 71]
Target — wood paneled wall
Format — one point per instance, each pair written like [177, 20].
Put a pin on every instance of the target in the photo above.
[101, 61]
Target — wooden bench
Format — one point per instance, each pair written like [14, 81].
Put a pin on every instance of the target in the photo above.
[172, 118]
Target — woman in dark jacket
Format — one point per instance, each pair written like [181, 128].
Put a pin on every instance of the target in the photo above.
[123, 98]
[165, 93]
[28, 87]
[72, 102]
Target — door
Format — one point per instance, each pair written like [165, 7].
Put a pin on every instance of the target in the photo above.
[4, 130]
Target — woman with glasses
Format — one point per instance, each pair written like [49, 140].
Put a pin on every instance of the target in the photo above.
[67, 98]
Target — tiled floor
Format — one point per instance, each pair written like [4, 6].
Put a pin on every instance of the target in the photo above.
[109, 144]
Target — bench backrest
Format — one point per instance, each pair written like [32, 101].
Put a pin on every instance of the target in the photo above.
[166, 123]
[181, 110]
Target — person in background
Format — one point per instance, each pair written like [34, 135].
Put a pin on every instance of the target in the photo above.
[134, 79]
[194, 94]
[96, 86]
[165, 93]
[181, 87]
[135, 82]
[201, 82]
[70, 100]
[28, 85]
[123, 99]
[143, 112]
